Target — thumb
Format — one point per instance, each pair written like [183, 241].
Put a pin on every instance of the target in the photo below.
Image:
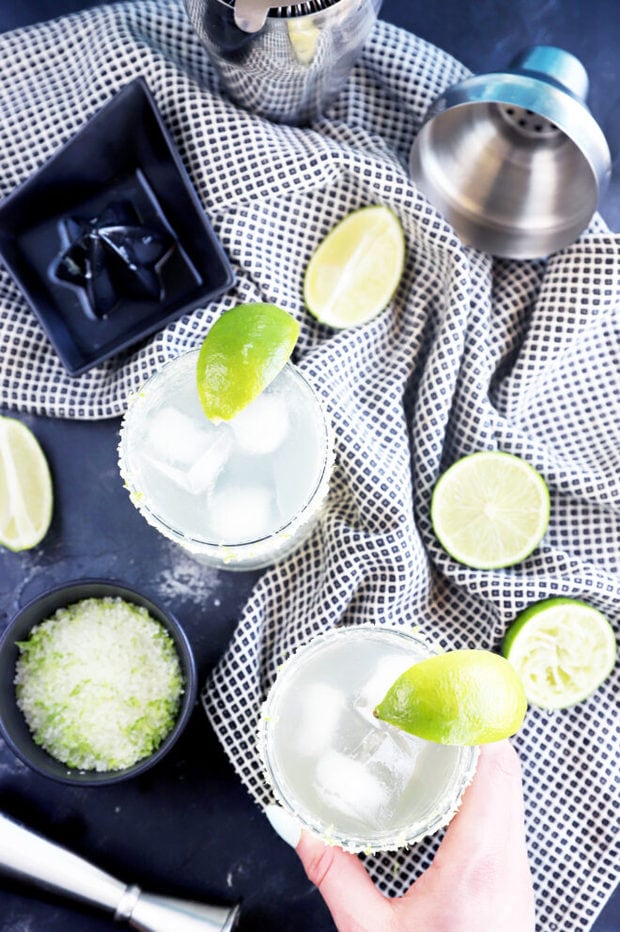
[482, 861]
[339, 876]
[489, 825]
[344, 885]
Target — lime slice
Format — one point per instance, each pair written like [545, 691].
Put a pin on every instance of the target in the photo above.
[463, 697]
[490, 510]
[355, 270]
[242, 353]
[562, 650]
[26, 495]
[304, 35]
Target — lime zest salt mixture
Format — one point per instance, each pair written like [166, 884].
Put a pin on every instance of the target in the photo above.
[99, 684]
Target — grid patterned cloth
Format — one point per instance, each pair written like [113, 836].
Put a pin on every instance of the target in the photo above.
[471, 354]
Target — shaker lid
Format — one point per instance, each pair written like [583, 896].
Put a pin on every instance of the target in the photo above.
[514, 160]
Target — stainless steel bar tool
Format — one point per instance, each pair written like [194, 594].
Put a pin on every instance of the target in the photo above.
[514, 160]
[286, 63]
[32, 858]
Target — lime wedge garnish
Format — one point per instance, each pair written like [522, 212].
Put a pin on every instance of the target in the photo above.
[490, 509]
[242, 353]
[463, 697]
[26, 496]
[355, 270]
[562, 650]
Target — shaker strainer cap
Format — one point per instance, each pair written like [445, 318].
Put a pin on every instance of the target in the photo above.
[515, 161]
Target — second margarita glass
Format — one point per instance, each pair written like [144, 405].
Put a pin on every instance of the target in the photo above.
[345, 776]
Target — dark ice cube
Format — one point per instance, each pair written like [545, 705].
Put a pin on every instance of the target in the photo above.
[113, 257]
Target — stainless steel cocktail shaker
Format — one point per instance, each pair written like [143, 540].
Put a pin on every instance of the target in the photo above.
[514, 159]
[286, 63]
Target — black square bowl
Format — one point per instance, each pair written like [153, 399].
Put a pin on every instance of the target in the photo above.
[124, 155]
[13, 725]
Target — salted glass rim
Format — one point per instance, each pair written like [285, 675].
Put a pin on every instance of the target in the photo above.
[464, 768]
[200, 542]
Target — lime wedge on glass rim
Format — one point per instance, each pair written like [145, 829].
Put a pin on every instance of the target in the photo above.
[462, 697]
[26, 496]
[562, 650]
[242, 353]
[490, 509]
[356, 268]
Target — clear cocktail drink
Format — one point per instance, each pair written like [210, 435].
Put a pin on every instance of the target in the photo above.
[239, 494]
[349, 778]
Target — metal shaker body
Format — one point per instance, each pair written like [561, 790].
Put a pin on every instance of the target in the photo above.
[296, 64]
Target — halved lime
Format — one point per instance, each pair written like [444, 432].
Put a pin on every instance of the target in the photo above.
[242, 353]
[356, 268]
[562, 649]
[490, 509]
[26, 496]
[463, 697]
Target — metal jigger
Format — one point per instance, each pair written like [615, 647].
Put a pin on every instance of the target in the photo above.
[515, 161]
[28, 856]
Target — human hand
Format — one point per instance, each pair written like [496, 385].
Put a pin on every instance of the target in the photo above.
[479, 879]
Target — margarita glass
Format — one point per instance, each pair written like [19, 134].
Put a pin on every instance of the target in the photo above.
[346, 776]
[240, 494]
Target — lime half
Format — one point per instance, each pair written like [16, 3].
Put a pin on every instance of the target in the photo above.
[562, 650]
[26, 496]
[355, 270]
[463, 697]
[490, 509]
[242, 353]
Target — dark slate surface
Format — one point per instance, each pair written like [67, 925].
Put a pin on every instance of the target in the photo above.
[188, 828]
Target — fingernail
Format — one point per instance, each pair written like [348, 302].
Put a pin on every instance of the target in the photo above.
[287, 827]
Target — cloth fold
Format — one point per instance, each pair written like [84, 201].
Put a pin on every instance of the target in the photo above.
[472, 353]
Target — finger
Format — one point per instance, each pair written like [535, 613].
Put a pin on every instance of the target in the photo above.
[491, 813]
[350, 894]
[340, 877]
[483, 858]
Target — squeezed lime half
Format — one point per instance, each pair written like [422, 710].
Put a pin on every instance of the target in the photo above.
[562, 650]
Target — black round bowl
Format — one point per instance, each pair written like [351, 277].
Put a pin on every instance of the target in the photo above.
[12, 722]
